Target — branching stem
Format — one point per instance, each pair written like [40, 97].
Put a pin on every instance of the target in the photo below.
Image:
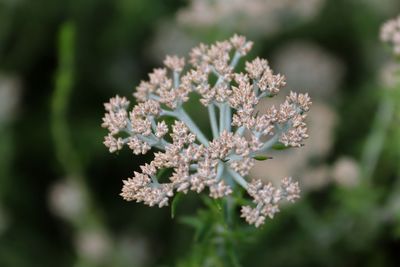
[213, 120]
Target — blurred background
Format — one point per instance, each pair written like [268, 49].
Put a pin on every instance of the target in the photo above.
[59, 186]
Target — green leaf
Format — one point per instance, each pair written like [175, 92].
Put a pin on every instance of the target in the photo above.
[261, 157]
[174, 204]
[204, 232]
[161, 173]
[202, 223]
[213, 204]
[279, 146]
[191, 221]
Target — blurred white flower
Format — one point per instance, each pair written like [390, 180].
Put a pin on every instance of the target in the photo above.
[251, 16]
[390, 34]
[93, 245]
[346, 172]
[309, 67]
[10, 89]
[316, 178]
[66, 199]
[134, 250]
[165, 42]
[390, 75]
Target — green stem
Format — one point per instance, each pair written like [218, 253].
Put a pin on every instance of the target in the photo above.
[228, 118]
[59, 102]
[240, 130]
[224, 109]
[376, 139]
[220, 170]
[64, 148]
[176, 79]
[222, 114]
[213, 120]
[269, 144]
[183, 116]
[238, 178]
[180, 114]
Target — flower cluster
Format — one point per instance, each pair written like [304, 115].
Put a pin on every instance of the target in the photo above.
[266, 197]
[390, 33]
[239, 134]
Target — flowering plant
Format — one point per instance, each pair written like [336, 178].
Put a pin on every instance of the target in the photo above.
[239, 134]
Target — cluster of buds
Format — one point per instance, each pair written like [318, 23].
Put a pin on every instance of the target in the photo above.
[239, 134]
[266, 197]
[390, 33]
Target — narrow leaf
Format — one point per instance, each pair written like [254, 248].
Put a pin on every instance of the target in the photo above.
[191, 221]
[280, 146]
[174, 204]
[261, 157]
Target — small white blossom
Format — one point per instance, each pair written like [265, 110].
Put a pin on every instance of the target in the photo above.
[113, 144]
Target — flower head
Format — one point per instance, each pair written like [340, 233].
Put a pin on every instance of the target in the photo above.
[197, 163]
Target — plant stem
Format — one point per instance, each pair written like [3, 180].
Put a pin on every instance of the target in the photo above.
[224, 109]
[183, 116]
[238, 178]
[222, 115]
[228, 119]
[220, 170]
[213, 120]
[270, 143]
[376, 139]
[176, 79]
[240, 130]
[235, 59]
[66, 153]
